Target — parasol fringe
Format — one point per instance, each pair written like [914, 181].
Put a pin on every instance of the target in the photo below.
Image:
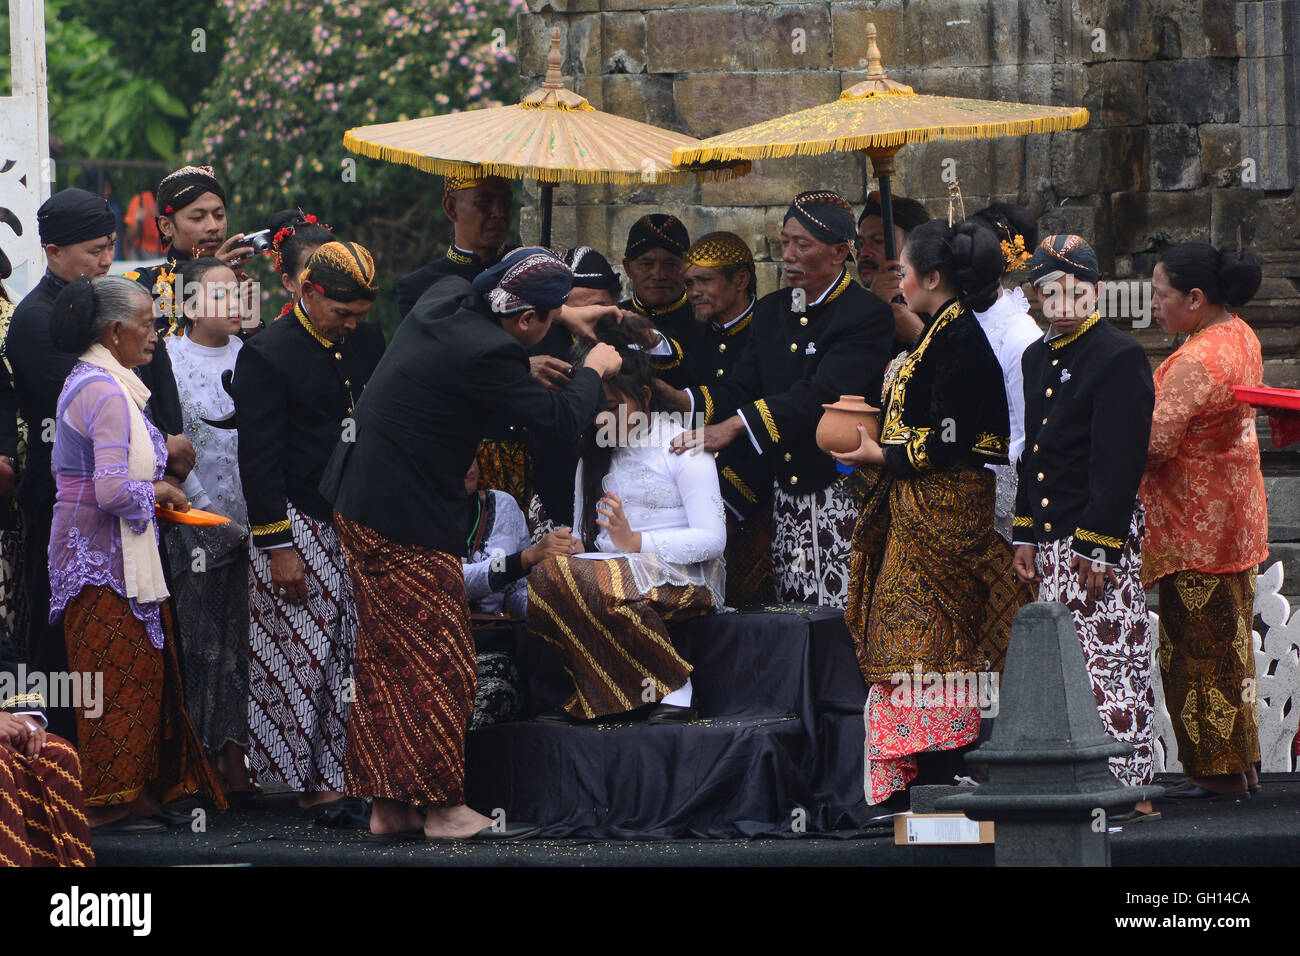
[895, 138]
[557, 104]
[545, 175]
[872, 94]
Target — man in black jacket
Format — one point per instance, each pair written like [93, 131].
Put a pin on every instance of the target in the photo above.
[721, 287]
[479, 209]
[1079, 525]
[824, 337]
[296, 386]
[457, 365]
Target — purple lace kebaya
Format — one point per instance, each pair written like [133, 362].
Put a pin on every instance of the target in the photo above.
[91, 446]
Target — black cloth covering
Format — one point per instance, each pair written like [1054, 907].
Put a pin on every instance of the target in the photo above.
[781, 701]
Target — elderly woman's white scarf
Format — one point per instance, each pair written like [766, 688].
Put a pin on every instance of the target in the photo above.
[142, 570]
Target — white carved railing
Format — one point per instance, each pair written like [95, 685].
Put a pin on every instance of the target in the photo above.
[1277, 676]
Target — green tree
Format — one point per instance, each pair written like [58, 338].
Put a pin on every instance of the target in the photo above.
[297, 75]
[100, 105]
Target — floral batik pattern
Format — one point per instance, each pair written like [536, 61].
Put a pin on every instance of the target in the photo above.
[812, 542]
[1115, 634]
[898, 731]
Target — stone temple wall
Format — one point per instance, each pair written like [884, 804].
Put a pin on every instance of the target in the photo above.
[1194, 130]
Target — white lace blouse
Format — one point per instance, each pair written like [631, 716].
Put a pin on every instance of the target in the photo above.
[214, 482]
[675, 504]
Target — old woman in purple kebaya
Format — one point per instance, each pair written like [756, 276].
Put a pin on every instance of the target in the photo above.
[106, 573]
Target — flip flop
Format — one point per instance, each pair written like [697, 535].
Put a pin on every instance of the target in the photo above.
[130, 826]
[1196, 792]
[1133, 816]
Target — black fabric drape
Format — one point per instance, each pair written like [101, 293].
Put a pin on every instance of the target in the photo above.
[779, 746]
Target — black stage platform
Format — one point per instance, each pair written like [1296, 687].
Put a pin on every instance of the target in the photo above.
[770, 775]
[1263, 830]
[780, 739]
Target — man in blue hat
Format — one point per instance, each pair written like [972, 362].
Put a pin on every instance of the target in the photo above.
[458, 362]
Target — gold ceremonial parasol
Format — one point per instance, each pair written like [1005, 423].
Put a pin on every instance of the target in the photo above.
[553, 136]
[879, 116]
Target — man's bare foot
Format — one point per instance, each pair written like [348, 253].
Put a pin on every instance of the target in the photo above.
[394, 816]
[1252, 777]
[456, 822]
[98, 816]
[309, 800]
[1144, 806]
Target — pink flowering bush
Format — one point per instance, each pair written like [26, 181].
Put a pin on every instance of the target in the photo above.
[297, 75]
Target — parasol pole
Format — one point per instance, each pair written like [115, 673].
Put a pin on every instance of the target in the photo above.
[882, 160]
[882, 167]
[554, 81]
[545, 203]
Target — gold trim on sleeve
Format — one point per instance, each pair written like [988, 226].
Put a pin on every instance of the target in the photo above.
[1093, 537]
[31, 701]
[708, 403]
[995, 446]
[740, 486]
[768, 421]
[276, 528]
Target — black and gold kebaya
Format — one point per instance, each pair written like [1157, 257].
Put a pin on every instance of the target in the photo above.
[947, 403]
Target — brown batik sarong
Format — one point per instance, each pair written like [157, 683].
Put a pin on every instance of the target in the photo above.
[613, 639]
[749, 558]
[506, 466]
[143, 741]
[1207, 667]
[931, 581]
[416, 671]
[42, 811]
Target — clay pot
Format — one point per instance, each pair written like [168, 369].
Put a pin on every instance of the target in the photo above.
[838, 430]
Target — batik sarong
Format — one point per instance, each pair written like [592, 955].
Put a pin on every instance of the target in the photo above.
[1208, 669]
[212, 623]
[612, 638]
[416, 671]
[42, 811]
[505, 465]
[1115, 634]
[922, 612]
[142, 742]
[496, 700]
[898, 730]
[300, 664]
[749, 559]
[811, 544]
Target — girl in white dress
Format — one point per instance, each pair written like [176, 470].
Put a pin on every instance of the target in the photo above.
[210, 565]
[651, 532]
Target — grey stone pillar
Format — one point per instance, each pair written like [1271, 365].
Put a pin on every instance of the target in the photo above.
[1050, 788]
